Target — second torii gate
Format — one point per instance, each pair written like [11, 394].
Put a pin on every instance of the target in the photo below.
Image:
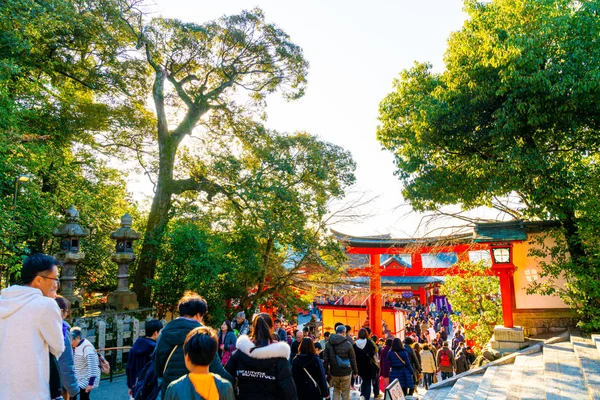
[458, 246]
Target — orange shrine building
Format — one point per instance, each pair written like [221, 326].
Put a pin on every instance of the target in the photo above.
[414, 269]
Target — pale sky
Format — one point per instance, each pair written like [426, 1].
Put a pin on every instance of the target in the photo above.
[355, 50]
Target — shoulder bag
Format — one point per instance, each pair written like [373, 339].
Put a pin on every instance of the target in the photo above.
[399, 358]
[169, 359]
[341, 362]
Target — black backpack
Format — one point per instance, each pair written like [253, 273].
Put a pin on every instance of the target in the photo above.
[146, 387]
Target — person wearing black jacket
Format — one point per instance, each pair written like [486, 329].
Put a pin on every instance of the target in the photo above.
[416, 365]
[169, 362]
[365, 351]
[308, 373]
[338, 350]
[261, 365]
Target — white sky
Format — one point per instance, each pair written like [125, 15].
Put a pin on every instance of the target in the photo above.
[355, 50]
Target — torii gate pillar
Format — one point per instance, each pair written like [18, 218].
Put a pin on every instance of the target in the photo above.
[375, 316]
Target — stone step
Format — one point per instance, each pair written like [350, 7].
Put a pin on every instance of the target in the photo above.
[596, 341]
[588, 358]
[527, 378]
[494, 384]
[465, 388]
[438, 393]
[563, 376]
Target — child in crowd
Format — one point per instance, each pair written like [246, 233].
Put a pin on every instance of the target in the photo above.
[199, 350]
[141, 352]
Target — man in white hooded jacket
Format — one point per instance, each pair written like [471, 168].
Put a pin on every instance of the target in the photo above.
[30, 328]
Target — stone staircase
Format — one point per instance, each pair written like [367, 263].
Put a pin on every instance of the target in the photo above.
[563, 368]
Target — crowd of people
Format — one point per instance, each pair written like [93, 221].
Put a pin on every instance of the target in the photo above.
[245, 360]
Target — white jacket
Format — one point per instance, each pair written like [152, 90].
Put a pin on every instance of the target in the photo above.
[30, 328]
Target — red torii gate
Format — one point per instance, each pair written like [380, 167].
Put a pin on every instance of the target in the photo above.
[374, 247]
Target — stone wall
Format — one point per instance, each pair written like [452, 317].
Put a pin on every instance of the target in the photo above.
[114, 329]
[539, 321]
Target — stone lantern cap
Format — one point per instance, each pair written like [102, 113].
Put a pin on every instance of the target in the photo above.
[125, 231]
[71, 228]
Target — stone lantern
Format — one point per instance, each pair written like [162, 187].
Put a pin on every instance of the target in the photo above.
[314, 326]
[123, 298]
[70, 254]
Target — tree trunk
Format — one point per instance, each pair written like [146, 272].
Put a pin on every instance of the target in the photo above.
[161, 204]
[157, 222]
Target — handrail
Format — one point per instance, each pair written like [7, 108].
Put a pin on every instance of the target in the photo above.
[114, 348]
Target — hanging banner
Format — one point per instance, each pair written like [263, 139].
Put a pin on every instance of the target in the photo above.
[441, 302]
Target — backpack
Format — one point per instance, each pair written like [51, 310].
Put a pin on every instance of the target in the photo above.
[445, 360]
[146, 386]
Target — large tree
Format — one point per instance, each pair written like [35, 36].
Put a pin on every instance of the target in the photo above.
[269, 237]
[54, 59]
[515, 112]
[212, 74]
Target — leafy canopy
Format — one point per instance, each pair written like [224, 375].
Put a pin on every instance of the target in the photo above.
[516, 112]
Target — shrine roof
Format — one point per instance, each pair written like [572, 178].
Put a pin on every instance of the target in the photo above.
[395, 259]
[386, 242]
[403, 280]
[509, 230]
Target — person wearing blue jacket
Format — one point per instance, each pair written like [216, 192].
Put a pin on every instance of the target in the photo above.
[401, 367]
[66, 365]
[141, 352]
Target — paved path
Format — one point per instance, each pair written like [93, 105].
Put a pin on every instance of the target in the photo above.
[117, 390]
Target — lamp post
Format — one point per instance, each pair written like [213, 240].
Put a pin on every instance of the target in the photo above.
[21, 178]
[503, 267]
[508, 336]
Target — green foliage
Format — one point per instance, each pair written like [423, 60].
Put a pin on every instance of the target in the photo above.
[580, 290]
[475, 298]
[249, 204]
[54, 59]
[514, 113]
[268, 233]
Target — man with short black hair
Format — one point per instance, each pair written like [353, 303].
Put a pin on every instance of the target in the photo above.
[280, 331]
[349, 334]
[200, 348]
[169, 361]
[141, 352]
[30, 329]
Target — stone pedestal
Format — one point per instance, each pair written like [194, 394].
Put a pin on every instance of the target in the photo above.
[121, 300]
[503, 334]
[508, 340]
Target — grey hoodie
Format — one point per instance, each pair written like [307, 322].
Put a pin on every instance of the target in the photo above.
[30, 328]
